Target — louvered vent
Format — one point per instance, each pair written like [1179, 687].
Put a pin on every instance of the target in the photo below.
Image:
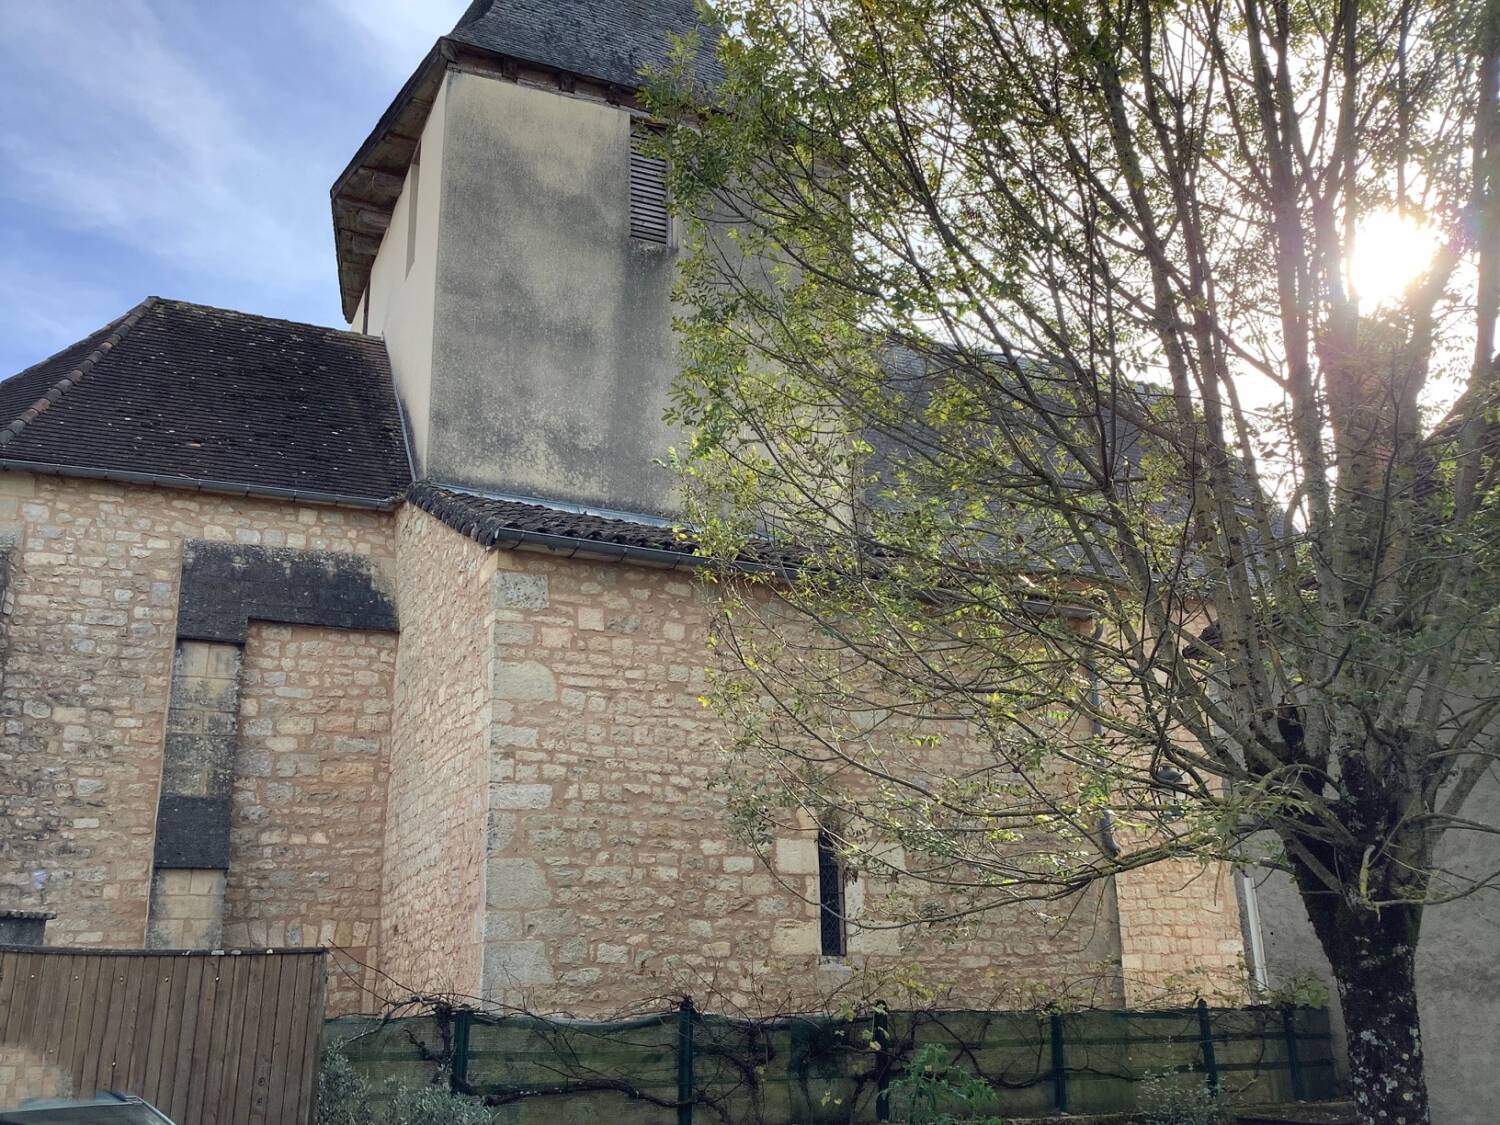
[649, 220]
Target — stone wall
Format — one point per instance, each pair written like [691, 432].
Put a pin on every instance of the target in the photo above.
[549, 833]
[26, 1074]
[88, 677]
[1180, 934]
[612, 874]
[439, 779]
[308, 815]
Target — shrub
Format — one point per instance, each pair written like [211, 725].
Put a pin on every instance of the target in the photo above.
[934, 1091]
[1166, 1099]
[435, 1105]
[343, 1093]
[345, 1097]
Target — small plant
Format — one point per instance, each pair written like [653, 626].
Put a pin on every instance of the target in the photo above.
[1167, 1099]
[1301, 989]
[345, 1097]
[936, 1091]
[434, 1105]
[343, 1093]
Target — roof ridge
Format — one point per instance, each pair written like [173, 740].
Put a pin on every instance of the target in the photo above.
[331, 329]
[77, 374]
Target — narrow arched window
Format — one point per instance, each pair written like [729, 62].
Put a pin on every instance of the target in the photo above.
[831, 928]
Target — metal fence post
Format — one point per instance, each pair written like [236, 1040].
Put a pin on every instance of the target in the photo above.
[1293, 1063]
[458, 1073]
[685, 1092]
[882, 1034]
[1059, 1063]
[1206, 1041]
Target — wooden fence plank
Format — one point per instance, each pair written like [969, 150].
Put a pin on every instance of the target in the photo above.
[22, 1011]
[169, 1030]
[244, 1087]
[191, 1010]
[294, 1024]
[317, 1004]
[112, 985]
[67, 1029]
[204, 1038]
[9, 979]
[87, 1015]
[97, 1001]
[229, 1001]
[211, 1039]
[57, 975]
[265, 1039]
[248, 970]
[142, 1023]
[161, 1016]
[286, 1005]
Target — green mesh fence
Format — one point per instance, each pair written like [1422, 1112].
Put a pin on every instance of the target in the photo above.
[684, 1066]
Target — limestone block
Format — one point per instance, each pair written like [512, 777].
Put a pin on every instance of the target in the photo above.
[867, 939]
[524, 680]
[501, 831]
[514, 882]
[608, 954]
[797, 856]
[520, 796]
[508, 964]
[550, 923]
[793, 938]
[519, 591]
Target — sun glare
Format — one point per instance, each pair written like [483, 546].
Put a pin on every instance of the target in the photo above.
[1390, 252]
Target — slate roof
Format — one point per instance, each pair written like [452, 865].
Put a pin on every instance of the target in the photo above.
[188, 394]
[610, 40]
[490, 521]
[487, 520]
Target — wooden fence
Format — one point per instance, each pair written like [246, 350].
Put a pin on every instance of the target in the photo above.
[209, 1038]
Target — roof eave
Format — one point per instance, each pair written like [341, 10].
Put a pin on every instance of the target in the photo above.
[195, 484]
[365, 194]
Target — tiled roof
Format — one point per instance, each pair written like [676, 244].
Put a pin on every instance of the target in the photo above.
[190, 394]
[610, 40]
[487, 520]
[491, 521]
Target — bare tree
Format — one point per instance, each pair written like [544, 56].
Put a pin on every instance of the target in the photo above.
[1049, 335]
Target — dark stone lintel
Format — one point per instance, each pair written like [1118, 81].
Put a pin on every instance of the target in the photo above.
[225, 586]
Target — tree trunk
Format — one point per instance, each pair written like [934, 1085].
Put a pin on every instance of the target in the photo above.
[1373, 956]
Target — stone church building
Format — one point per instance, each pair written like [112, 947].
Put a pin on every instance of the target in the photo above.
[382, 638]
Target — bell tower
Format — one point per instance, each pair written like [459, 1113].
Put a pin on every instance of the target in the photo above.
[505, 233]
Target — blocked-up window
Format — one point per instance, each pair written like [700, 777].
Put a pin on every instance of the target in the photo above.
[650, 220]
[831, 930]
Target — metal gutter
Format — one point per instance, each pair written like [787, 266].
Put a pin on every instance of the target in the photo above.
[1250, 924]
[216, 487]
[571, 547]
[406, 436]
[571, 506]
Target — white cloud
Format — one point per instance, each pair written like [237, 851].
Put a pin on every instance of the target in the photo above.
[400, 30]
[183, 148]
[123, 136]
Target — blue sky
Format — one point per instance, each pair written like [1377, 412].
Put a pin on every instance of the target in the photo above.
[184, 148]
